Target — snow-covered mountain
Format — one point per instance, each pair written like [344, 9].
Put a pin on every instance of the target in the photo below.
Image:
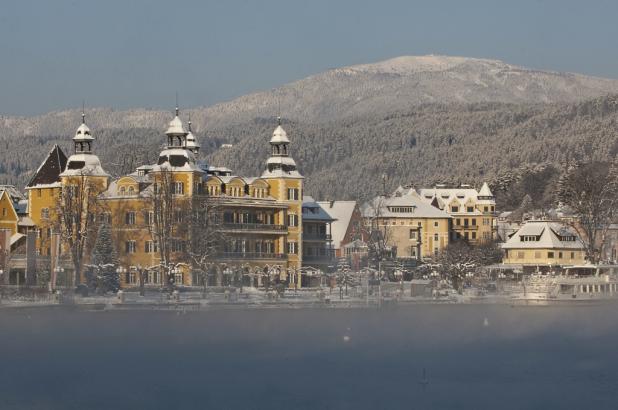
[387, 86]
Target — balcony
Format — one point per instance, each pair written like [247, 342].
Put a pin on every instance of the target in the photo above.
[254, 227]
[465, 227]
[317, 237]
[251, 256]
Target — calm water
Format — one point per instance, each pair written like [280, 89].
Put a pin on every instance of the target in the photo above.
[532, 358]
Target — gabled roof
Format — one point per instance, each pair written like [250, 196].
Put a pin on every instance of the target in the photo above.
[342, 212]
[390, 207]
[50, 170]
[549, 235]
[312, 211]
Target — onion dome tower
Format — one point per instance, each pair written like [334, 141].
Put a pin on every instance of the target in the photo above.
[192, 144]
[280, 164]
[84, 161]
[177, 153]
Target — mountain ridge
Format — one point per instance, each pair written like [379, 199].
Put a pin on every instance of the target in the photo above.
[385, 86]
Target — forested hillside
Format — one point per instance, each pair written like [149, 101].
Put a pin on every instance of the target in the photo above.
[517, 148]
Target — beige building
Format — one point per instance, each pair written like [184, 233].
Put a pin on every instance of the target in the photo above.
[412, 227]
[473, 211]
[543, 245]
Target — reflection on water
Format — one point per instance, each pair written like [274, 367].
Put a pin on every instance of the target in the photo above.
[475, 357]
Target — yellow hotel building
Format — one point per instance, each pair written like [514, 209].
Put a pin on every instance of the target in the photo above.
[261, 217]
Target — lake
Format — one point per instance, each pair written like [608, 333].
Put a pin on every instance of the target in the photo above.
[475, 356]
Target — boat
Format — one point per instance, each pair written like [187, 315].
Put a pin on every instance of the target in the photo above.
[585, 283]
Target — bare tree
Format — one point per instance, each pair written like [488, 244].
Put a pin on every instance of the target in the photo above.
[206, 237]
[378, 232]
[77, 222]
[169, 208]
[590, 190]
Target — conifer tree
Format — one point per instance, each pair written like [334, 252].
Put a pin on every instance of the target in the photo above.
[105, 261]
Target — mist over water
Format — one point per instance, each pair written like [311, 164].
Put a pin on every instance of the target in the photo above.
[476, 357]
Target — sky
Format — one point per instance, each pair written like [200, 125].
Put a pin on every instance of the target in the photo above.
[124, 53]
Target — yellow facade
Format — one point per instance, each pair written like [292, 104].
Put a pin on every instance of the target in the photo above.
[8, 216]
[416, 238]
[543, 256]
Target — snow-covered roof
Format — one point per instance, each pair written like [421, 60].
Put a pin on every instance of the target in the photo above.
[84, 164]
[25, 221]
[342, 212]
[463, 195]
[16, 237]
[279, 136]
[279, 173]
[547, 235]
[485, 191]
[170, 154]
[192, 141]
[281, 160]
[312, 211]
[409, 205]
[176, 126]
[83, 133]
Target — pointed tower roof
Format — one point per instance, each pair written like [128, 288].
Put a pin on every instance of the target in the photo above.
[485, 191]
[192, 143]
[49, 171]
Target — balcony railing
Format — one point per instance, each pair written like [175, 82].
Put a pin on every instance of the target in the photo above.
[254, 227]
[317, 237]
[251, 255]
[318, 258]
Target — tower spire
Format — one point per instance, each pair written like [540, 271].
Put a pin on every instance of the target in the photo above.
[177, 104]
[189, 123]
[83, 112]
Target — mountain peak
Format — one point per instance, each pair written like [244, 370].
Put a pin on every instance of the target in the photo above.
[426, 63]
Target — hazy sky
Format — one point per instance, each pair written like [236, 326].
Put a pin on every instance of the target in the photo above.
[123, 53]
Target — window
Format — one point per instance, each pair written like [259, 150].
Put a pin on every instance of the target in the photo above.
[292, 248]
[466, 222]
[129, 247]
[473, 235]
[466, 236]
[45, 213]
[473, 222]
[454, 209]
[436, 224]
[178, 278]
[105, 218]
[3, 211]
[292, 220]
[458, 221]
[572, 255]
[122, 191]
[485, 209]
[435, 237]
[39, 192]
[177, 245]
[177, 216]
[129, 218]
[178, 188]
[550, 255]
[559, 255]
[293, 194]
[151, 247]
[412, 234]
[148, 217]
[131, 190]
[470, 209]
